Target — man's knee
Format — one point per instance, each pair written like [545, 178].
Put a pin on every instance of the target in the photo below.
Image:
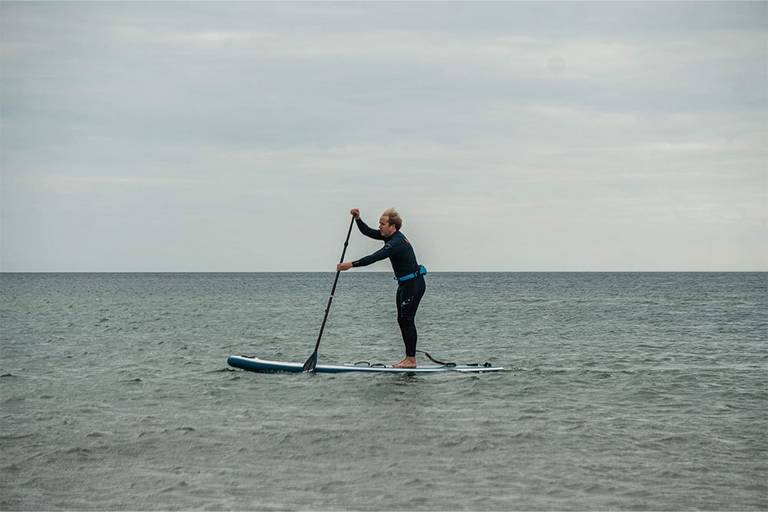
[405, 320]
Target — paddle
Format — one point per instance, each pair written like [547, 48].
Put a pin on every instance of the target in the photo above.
[309, 365]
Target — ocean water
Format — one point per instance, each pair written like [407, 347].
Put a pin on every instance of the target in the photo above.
[624, 392]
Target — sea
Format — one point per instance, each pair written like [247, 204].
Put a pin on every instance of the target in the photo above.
[623, 391]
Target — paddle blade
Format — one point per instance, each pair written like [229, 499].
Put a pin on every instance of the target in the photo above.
[309, 365]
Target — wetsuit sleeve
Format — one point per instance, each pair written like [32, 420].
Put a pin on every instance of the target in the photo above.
[389, 248]
[370, 233]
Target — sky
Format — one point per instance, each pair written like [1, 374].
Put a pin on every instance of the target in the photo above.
[235, 137]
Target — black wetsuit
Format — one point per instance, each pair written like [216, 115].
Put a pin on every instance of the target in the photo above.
[409, 293]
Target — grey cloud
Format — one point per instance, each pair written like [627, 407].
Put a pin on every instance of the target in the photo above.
[625, 119]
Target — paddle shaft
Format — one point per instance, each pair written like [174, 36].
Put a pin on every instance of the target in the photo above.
[333, 290]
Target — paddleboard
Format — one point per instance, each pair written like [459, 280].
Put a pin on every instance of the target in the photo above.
[255, 364]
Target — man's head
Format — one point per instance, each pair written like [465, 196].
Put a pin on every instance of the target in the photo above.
[389, 222]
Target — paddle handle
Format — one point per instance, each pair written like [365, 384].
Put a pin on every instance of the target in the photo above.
[335, 281]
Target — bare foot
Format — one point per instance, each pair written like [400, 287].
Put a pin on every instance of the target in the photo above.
[408, 362]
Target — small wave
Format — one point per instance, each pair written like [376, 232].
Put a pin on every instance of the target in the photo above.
[11, 468]
[78, 452]
[222, 370]
[668, 439]
[13, 437]
[181, 485]
[178, 429]
[311, 436]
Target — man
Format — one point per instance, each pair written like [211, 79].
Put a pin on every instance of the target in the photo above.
[408, 273]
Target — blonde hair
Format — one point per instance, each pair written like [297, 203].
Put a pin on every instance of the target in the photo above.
[394, 218]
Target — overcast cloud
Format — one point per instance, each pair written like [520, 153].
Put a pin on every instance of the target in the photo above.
[511, 136]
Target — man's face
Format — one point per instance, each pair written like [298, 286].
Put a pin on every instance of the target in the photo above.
[384, 228]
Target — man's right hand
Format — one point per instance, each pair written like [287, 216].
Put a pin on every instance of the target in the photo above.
[355, 213]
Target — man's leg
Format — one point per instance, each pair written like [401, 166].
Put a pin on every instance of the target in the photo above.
[408, 299]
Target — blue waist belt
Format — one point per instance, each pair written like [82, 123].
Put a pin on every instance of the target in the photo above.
[422, 271]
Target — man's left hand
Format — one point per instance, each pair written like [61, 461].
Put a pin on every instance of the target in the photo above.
[341, 267]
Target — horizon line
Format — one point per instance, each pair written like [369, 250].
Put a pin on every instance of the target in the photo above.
[379, 271]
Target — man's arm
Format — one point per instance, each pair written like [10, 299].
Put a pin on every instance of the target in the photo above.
[363, 227]
[385, 252]
[389, 248]
[367, 231]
